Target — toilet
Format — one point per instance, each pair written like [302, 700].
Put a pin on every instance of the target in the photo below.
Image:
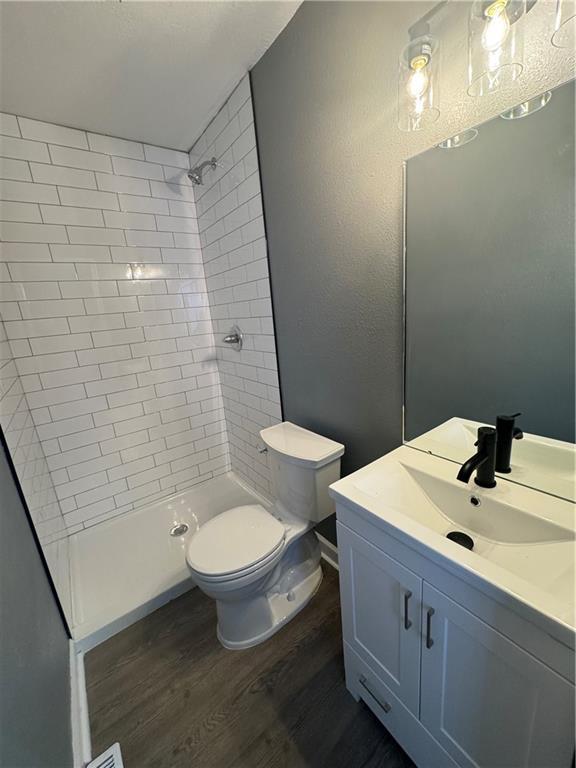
[262, 565]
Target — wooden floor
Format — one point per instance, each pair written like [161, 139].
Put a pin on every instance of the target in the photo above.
[173, 697]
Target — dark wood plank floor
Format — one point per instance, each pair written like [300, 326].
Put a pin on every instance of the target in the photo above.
[174, 698]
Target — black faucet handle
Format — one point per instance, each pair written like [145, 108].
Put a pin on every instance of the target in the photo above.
[511, 417]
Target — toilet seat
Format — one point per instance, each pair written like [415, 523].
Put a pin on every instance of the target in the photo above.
[235, 543]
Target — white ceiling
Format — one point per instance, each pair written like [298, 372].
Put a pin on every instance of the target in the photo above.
[152, 71]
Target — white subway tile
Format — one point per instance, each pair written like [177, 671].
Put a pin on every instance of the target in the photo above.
[176, 224]
[68, 177]
[124, 367]
[89, 288]
[78, 408]
[30, 291]
[9, 311]
[118, 399]
[170, 191]
[137, 168]
[167, 156]
[8, 125]
[131, 468]
[181, 208]
[94, 236]
[103, 271]
[21, 149]
[40, 363]
[136, 255]
[29, 212]
[78, 158]
[138, 204]
[129, 220]
[88, 198]
[70, 458]
[150, 318]
[32, 233]
[149, 239]
[160, 302]
[110, 338]
[112, 146]
[141, 287]
[142, 492]
[53, 134]
[131, 186]
[153, 348]
[55, 396]
[86, 513]
[103, 355]
[27, 192]
[113, 415]
[103, 492]
[76, 375]
[22, 272]
[158, 376]
[22, 329]
[51, 308]
[89, 323]
[126, 441]
[107, 386]
[99, 306]
[17, 170]
[95, 465]
[64, 427]
[89, 253]
[88, 437]
[174, 358]
[57, 214]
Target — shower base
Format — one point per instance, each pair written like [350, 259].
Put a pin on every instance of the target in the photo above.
[125, 568]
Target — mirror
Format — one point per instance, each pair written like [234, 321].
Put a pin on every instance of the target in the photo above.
[489, 290]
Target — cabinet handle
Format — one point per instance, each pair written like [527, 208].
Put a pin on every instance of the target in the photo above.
[429, 613]
[407, 622]
[384, 704]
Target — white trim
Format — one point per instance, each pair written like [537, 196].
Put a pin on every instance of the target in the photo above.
[328, 551]
[81, 747]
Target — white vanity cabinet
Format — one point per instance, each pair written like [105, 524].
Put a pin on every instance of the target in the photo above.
[452, 687]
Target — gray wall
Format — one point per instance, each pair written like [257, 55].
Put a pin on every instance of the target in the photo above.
[331, 165]
[34, 662]
[490, 276]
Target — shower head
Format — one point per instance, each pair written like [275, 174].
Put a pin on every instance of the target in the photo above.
[195, 175]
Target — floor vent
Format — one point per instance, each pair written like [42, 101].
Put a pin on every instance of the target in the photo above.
[112, 758]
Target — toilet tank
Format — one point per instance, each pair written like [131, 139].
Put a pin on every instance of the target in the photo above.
[302, 465]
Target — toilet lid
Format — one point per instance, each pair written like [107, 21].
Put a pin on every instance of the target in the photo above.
[234, 540]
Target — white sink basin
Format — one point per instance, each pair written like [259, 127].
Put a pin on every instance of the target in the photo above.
[538, 462]
[524, 540]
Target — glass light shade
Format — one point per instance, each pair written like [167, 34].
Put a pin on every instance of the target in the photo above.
[418, 85]
[564, 34]
[527, 107]
[459, 139]
[495, 45]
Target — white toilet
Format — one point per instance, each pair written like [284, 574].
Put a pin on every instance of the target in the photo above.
[262, 566]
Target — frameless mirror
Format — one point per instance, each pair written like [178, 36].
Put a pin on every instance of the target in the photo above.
[489, 290]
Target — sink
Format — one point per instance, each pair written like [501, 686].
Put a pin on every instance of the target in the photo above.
[538, 462]
[444, 507]
[524, 540]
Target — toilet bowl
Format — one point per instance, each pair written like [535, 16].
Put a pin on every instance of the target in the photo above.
[260, 565]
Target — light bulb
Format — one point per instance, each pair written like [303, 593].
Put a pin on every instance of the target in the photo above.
[419, 80]
[497, 26]
[418, 83]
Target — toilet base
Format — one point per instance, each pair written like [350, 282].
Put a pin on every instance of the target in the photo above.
[280, 609]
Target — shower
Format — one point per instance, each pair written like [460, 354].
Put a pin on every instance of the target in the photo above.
[195, 175]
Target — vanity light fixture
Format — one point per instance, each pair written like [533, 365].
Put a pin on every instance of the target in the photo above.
[495, 44]
[459, 139]
[527, 107]
[418, 76]
[564, 34]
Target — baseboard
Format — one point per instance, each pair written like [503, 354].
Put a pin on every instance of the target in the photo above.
[81, 747]
[328, 551]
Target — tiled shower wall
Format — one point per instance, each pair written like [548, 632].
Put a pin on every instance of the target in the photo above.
[105, 306]
[229, 207]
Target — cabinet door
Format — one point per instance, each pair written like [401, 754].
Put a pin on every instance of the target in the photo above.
[381, 614]
[489, 703]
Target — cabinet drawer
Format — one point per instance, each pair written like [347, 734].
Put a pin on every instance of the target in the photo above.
[397, 719]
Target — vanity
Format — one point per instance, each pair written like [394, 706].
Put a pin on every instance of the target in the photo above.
[457, 588]
[466, 657]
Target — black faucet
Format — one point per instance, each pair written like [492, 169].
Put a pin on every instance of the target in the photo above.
[484, 462]
[505, 433]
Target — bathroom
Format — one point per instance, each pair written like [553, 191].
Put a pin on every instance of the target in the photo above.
[287, 331]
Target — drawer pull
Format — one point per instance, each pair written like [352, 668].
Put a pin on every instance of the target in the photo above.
[383, 704]
[407, 622]
[429, 613]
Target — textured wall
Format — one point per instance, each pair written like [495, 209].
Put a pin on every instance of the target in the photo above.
[34, 663]
[104, 301]
[331, 161]
[229, 207]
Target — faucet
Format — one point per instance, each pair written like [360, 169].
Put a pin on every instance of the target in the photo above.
[484, 461]
[505, 433]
